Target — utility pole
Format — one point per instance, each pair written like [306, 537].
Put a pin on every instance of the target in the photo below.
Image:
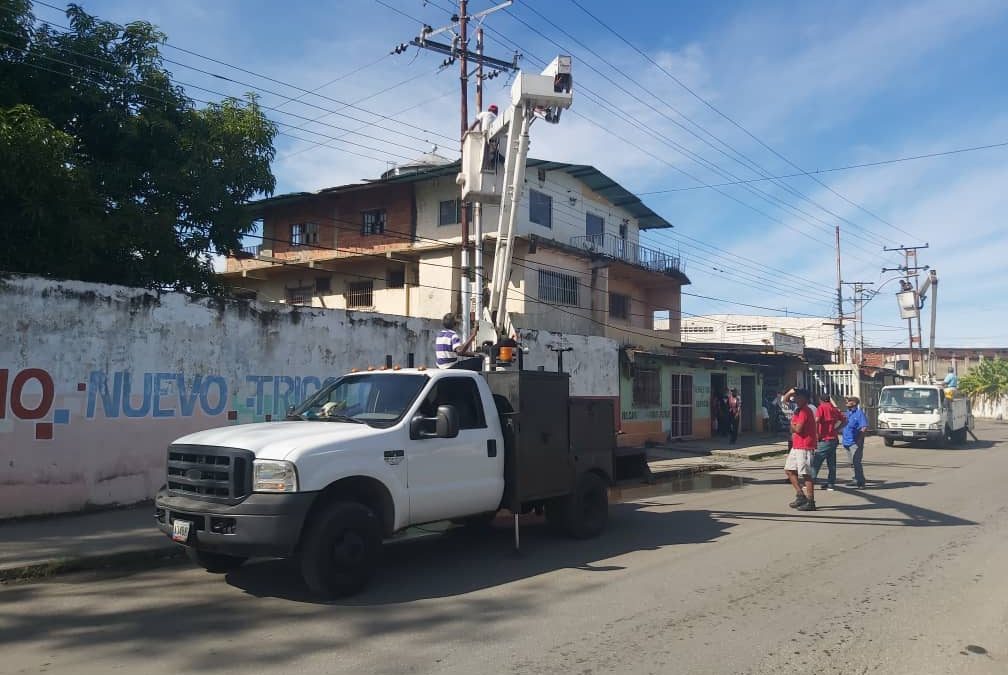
[858, 318]
[463, 211]
[910, 272]
[839, 299]
[459, 49]
[477, 206]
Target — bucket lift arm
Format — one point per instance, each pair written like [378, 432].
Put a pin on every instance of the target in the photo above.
[544, 96]
[930, 283]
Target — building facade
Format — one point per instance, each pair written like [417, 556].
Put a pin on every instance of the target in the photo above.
[743, 329]
[394, 245]
[959, 359]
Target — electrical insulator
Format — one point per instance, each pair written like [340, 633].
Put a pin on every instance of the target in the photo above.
[400, 48]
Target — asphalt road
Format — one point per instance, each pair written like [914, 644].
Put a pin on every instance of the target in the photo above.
[907, 576]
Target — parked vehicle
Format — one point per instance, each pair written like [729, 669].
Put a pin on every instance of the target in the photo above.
[376, 452]
[923, 412]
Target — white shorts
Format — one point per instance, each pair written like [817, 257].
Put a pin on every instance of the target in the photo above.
[800, 461]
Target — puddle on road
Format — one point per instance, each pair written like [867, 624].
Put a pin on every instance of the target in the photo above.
[701, 482]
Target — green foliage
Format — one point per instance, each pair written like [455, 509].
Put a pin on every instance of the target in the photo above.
[986, 381]
[110, 172]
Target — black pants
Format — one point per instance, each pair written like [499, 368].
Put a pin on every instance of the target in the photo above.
[732, 429]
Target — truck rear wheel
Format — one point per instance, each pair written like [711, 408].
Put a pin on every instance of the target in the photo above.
[340, 549]
[218, 563]
[584, 513]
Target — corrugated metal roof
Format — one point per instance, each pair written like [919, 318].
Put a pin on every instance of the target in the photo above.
[594, 179]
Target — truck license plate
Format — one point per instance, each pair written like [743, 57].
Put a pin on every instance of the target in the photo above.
[908, 434]
[180, 531]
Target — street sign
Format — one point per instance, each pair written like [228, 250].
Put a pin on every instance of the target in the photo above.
[788, 344]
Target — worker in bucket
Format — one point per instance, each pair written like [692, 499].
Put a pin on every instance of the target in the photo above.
[448, 345]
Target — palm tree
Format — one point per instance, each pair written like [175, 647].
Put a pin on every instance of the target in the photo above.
[988, 381]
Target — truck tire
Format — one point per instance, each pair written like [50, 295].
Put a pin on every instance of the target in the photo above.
[959, 436]
[340, 549]
[218, 563]
[583, 514]
[888, 442]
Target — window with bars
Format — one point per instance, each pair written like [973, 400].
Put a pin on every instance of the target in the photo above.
[698, 329]
[449, 212]
[619, 306]
[359, 294]
[745, 327]
[647, 388]
[557, 288]
[373, 222]
[540, 208]
[304, 234]
[301, 295]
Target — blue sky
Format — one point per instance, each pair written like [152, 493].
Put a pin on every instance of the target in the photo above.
[822, 84]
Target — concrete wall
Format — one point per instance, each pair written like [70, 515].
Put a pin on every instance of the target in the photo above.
[96, 380]
[755, 330]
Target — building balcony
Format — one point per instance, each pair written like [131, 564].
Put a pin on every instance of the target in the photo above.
[623, 250]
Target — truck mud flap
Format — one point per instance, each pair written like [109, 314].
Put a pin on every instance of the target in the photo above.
[631, 464]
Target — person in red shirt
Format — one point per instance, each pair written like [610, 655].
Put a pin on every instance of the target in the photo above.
[830, 420]
[803, 445]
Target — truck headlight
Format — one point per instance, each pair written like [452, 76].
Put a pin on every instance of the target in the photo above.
[935, 426]
[883, 425]
[271, 475]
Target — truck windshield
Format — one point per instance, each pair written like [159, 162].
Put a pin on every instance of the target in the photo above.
[909, 400]
[376, 399]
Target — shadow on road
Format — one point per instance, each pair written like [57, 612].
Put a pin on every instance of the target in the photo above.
[460, 562]
[911, 515]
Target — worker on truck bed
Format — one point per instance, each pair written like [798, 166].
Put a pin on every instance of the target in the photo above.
[449, 346]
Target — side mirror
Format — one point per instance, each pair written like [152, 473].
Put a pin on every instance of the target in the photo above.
[447, 425]
[291, 409]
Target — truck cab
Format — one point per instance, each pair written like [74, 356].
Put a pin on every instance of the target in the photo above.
[378, 451]
[923, 412]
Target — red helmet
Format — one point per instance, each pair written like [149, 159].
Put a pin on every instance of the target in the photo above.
[492, 108]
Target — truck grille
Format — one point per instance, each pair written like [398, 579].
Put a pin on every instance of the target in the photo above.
[216, 474]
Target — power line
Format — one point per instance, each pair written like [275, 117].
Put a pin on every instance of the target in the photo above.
[710, 165]
[847, 167]
[306, 92]
[723, 115]
[617, 111]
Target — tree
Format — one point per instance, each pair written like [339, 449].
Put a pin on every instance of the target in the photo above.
[111, 173]
[988, 380]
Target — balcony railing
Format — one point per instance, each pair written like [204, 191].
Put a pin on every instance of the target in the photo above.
[617, 248]
[251, 251]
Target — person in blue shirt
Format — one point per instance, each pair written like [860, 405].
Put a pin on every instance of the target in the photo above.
[853, 439]
[951, 380]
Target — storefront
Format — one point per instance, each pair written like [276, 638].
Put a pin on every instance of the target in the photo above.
[671, 396]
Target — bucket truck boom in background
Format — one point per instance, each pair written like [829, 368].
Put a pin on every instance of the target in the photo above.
[484, 180]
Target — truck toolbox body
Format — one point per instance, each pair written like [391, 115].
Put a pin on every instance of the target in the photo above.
[550, 437]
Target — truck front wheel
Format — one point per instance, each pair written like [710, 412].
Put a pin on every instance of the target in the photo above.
[888, 442]
[340, 549]
[584, 513]
[218, 563]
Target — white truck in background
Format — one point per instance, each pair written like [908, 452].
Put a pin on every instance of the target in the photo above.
[922, 412]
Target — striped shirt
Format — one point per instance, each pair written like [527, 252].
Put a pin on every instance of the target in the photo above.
[444, 348]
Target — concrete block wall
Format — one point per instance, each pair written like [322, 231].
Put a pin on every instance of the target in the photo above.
[97, 380]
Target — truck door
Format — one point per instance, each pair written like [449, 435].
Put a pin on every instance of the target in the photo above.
[451, 477]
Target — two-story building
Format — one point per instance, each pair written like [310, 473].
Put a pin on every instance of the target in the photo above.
[393, 245]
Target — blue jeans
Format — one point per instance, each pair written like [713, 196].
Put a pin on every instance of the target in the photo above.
[826, 451]
[855, 453]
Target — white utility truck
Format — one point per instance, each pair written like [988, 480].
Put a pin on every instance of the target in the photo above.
[922, 412]
[379, 451]
[376, 452]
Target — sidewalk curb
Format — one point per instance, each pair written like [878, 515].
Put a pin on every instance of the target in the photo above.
[122, 560]
[684, 472]
[741, 454]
